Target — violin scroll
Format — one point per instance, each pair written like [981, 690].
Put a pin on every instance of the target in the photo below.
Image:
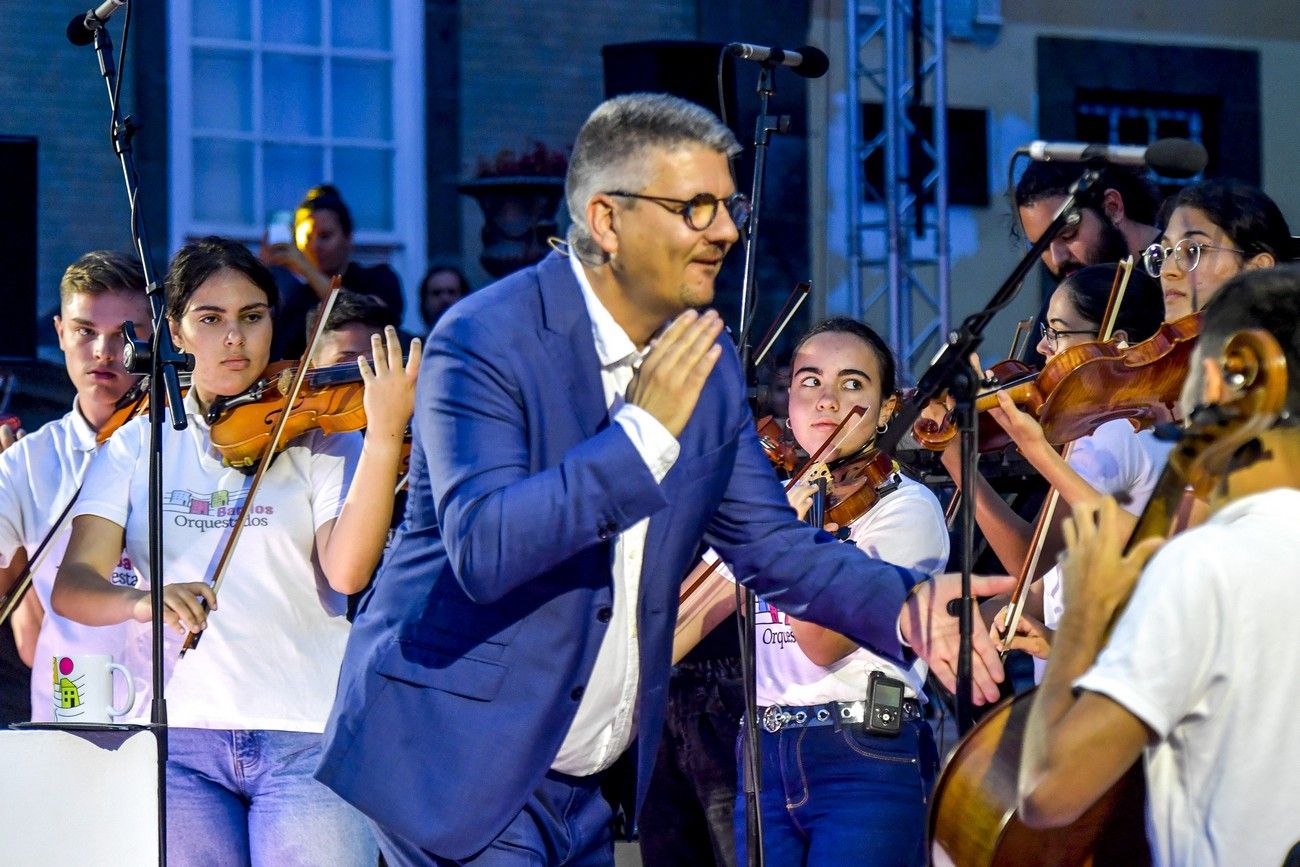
[780, 450]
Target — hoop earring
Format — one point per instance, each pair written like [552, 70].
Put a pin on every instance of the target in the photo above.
[881, 428]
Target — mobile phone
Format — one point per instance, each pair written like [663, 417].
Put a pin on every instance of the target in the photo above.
[884, 704]
[279, 228]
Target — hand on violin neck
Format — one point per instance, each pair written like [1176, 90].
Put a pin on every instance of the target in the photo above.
[801, 498]
[1023, 428]
[390, 386]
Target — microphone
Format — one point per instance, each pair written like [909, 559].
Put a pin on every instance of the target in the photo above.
[808, 61]
[81, 31]
[1172, 157]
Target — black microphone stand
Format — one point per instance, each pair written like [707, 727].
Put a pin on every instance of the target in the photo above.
[763, 129]
[163, 362]
[951, 370]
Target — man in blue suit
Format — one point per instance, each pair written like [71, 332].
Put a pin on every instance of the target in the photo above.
[580, 431]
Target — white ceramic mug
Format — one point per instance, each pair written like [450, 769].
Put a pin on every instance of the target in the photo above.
[83, 689]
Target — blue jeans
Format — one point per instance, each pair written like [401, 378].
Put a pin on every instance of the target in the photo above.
[237, 798]
[566, 821]
[843, 796]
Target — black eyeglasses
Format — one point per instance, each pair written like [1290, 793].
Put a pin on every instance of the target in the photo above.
[699, 212]
[1051, 335]
[1187, 253]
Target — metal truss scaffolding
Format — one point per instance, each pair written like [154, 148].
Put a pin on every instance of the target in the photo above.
[898, 248]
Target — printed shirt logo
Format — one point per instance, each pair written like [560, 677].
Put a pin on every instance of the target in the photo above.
[124, 573]
[215, 511]
[773, 626]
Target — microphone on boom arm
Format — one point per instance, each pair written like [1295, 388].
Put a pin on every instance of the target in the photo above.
[1171, 157]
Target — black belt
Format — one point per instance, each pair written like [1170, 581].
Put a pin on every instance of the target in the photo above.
[836, 713]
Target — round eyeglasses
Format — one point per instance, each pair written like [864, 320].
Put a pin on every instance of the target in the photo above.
[1186, 253]
[699, 212]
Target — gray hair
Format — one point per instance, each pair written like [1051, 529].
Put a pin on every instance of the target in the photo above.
[609, 153]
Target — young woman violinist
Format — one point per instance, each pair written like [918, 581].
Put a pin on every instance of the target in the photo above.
[247, 706]
[1216, 230]
[833, 792]
[1112, 460]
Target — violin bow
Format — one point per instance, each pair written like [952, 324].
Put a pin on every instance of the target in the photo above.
[9, 602]
[1040, 532]
[134, 399]
[1019, 595]
[1029, 568]
[834, 439]
[1021, 332]
[793, 302]
[277, 432]
[1117, 290]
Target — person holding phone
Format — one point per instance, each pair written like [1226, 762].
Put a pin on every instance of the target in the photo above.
[320, 248]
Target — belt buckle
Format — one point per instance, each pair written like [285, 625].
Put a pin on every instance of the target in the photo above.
[773, 719]
[850, 712]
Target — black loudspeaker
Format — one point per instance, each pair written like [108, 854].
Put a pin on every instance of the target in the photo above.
[18, 246]
[685, 69]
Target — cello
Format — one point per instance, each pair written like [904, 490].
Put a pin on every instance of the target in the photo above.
[973, 820]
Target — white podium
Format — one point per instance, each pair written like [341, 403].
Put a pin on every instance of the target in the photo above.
[84, 797]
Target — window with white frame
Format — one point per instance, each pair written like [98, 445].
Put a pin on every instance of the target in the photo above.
[271, 97]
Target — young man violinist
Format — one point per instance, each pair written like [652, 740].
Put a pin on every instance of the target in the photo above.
[41, 473]
[1181, 681]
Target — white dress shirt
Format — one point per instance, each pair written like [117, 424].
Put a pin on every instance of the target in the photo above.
[606, 719]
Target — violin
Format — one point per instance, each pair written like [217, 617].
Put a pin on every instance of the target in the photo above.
[780, 449]
[134, 402]
[330, 400]
[937, 435]
[973, 817]
[1085, 386]
[867, 476]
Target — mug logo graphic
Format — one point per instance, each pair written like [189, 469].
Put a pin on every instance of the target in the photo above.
[67, 692]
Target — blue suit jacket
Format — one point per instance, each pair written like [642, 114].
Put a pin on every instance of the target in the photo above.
[467, 661]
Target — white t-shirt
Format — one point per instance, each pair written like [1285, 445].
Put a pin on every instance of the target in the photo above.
[905, 528]
[270, 656]
[1118, 461]
[1206, 655]
[39, 476]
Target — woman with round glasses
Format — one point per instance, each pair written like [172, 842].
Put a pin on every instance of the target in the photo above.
[1216, 229]
[1113, 460]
